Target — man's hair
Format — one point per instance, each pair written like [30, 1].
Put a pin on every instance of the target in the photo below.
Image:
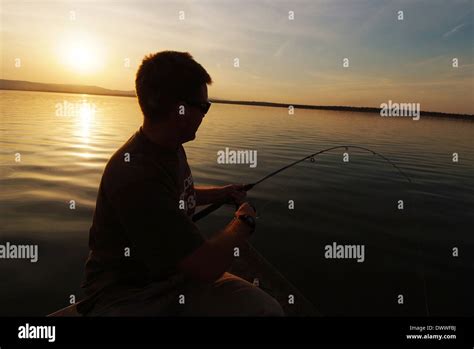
[165, 78]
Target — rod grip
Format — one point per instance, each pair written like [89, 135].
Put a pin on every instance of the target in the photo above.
[211, 208]
[208, 210]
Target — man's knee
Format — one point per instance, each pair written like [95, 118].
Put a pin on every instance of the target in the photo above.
[246, 298]
[230, 295]
[260, 303]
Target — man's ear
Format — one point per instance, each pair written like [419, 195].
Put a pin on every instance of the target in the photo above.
[181, 109]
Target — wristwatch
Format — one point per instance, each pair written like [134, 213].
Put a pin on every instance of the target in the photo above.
[247, 219]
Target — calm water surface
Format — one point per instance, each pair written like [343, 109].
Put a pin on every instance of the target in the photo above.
[64, 150]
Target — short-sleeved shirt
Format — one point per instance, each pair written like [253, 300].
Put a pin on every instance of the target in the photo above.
[142, 223]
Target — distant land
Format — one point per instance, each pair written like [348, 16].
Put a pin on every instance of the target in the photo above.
[43, 87]
[95, 90]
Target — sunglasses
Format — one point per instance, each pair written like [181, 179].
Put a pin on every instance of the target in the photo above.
[203, 106]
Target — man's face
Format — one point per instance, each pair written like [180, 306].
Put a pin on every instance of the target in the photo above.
[193, 115]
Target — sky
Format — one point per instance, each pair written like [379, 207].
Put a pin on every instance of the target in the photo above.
[281, 58]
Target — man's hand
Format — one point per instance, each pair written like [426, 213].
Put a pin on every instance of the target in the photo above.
[246, 209]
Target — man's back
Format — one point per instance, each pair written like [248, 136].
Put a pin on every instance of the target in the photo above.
[139, 232]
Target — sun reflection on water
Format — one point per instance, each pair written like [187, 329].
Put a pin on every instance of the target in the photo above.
[86, 116]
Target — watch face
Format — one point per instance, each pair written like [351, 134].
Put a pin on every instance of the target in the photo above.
[252, 219]
[249, 220]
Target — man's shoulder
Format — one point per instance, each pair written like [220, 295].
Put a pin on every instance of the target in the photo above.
[133, 164]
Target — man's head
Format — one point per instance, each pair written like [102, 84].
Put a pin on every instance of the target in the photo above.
[172, 92]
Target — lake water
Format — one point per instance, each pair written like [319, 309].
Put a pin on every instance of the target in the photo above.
[53, 152]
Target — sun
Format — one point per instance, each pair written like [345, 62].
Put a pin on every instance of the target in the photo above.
[81, 58]
[81, 54]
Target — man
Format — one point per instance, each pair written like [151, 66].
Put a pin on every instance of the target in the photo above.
[147, 256]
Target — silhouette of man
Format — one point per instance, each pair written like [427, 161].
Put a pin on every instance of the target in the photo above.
[146, 256]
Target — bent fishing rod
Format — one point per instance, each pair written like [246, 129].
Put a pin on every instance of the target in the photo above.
[211, 208]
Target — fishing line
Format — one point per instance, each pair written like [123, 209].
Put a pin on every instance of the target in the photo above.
[211, 208]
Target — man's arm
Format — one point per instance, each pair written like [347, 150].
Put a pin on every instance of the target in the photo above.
[160, 233]
[214, 256]
[210, 195]
[163, 237]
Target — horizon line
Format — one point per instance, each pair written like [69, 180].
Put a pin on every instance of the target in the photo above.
[101, 91]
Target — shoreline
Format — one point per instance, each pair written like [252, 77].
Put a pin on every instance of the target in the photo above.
[89, 90]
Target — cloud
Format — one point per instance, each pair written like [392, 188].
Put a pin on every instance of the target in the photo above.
[454, 30]
[281, 49]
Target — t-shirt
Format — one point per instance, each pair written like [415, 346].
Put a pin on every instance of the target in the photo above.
[142, 223]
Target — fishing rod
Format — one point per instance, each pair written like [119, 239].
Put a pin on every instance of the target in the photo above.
[211, 208]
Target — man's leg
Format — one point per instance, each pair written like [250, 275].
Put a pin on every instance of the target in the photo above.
[228, 296]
